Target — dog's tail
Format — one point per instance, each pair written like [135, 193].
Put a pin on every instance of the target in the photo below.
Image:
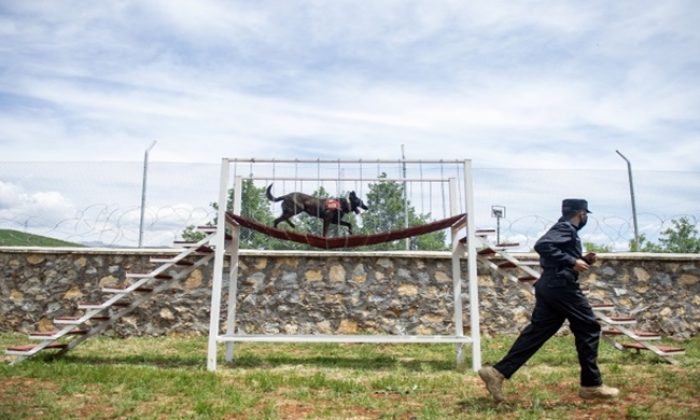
[270, 196]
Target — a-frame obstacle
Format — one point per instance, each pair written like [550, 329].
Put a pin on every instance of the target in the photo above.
[96, 317]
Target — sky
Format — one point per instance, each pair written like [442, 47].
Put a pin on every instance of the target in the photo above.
[530, 85]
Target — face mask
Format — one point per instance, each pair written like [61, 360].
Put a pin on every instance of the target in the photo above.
[582, 222]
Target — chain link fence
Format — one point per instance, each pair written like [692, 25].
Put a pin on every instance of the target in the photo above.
[98, 203]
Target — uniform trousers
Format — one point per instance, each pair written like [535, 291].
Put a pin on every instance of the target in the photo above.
[553, 305]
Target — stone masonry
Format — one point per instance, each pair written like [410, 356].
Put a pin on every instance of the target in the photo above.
[333, 292]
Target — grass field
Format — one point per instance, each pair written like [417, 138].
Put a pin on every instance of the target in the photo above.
[167, 378]
[10, 237]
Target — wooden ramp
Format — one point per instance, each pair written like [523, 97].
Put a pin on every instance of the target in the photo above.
[96, 317]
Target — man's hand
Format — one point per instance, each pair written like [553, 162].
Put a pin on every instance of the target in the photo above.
[590, 258]
[581, 265]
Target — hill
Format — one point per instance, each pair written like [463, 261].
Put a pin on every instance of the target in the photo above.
[10, 237]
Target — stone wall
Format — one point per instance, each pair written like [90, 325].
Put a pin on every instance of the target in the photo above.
[333, 293]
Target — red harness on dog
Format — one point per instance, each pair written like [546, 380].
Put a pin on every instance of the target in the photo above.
[333, 204]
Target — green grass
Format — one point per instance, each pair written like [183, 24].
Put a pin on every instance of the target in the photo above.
[166, 377]
[15, 238]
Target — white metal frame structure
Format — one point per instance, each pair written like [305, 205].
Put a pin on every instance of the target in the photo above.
[457, 250]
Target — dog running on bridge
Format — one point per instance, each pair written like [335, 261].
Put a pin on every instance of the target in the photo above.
[330, 210]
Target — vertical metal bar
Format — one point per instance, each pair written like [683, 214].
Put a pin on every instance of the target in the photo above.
[405, 197]
[634, 206]
[233, 269]
[143, 192]
[362, 182]
[498, 230]
[215, 307]
[442, 188]
[471, 266]
[456, 274]
[422, 196]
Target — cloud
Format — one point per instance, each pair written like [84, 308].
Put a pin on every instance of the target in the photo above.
[269, 77]
[540, 86]
[38, 209]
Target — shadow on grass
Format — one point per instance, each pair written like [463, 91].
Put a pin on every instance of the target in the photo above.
[249, 361]
[358, 363]
[510, 408]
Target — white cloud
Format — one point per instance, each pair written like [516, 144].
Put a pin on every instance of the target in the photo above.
[515, 85]
[35, 208]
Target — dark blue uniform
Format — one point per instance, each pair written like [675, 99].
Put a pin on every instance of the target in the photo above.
[558, 297]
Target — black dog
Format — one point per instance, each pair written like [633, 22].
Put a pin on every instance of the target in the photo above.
[330, 210]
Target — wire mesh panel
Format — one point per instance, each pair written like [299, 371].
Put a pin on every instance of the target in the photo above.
[397, 194]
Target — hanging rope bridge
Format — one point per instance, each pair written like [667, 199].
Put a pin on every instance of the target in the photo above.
[345, 241]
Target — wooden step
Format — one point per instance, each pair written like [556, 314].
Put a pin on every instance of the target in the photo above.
[102, 305]
[638, 335]
[507, 244]
[487, 252]
[74, 320]
[482, 233]
[140, 289]
[161, 276]
[665, 349]
[188, 244]
[527, 279]
[603, 306]
[26, 348]
[618, 319]
[211, 229]
[182, 263]
[204, 249]
[507, 265]
[43, 335]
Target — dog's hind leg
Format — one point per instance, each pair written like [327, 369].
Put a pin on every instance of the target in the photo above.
[284, 218]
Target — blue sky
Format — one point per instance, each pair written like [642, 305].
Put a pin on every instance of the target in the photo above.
[531, 84]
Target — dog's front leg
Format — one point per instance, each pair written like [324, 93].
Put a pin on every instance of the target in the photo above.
[326, 222]
[347, 225]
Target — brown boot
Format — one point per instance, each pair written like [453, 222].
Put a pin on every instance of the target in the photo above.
[494, 381]
[602, 392]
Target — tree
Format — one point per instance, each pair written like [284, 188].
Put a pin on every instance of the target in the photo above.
[386, 213]
[593, 247]
[681, 237]
[253, 206]
[644, 245]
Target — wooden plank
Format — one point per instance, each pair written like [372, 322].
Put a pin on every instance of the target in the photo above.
[30, 347]
[665, 349]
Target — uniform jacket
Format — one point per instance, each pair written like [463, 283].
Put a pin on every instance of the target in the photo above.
[559, 249]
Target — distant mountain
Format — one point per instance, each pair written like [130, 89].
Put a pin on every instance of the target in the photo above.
[15, 238]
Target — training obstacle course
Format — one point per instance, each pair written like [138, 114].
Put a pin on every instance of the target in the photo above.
[223, 240]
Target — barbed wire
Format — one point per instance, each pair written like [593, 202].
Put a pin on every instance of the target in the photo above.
[612, 232]
[57, 199]
[111, 225]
